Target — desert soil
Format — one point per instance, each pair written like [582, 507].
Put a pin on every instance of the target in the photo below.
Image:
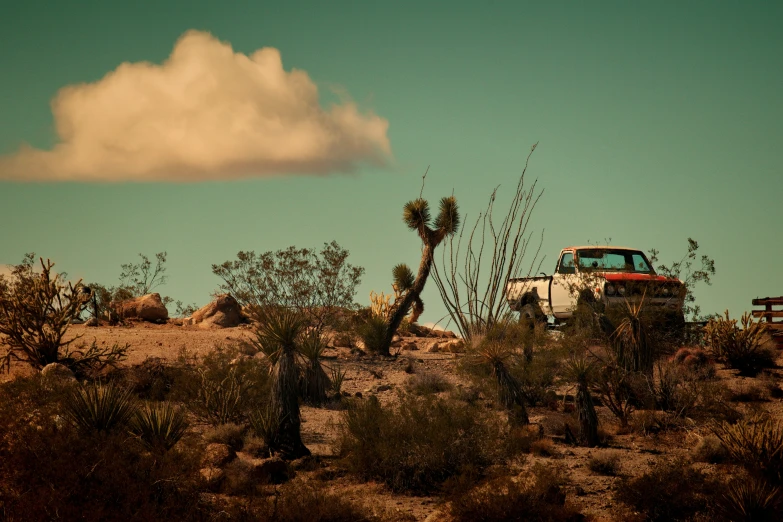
[591, 492]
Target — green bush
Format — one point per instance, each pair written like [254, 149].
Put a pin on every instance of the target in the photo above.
[418, 444]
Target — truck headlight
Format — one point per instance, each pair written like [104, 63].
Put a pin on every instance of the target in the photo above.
[610, 290]
[621, 290]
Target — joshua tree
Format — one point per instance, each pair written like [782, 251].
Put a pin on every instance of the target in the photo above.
[416, 215]
[279, 331]
[579, 371]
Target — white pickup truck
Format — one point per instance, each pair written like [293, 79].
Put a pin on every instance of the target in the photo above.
[606, 275]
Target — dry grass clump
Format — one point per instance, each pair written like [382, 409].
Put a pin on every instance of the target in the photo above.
[232, 435]
[418, 444]
[671, 490]
[427, 383]
[533, 497]
[604, 464]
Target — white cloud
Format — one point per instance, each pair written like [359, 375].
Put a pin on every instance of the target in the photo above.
[206, 113]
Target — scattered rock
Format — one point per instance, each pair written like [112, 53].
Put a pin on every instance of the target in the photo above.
[410, 346]
[382, 388]
[177, 321]
[454, 346]
[435, 347]
[213, 477]
[218, 455]
[148, 307]
[57, 372]
[240, 359]
[223, 312]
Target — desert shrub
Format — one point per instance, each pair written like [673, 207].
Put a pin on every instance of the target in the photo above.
[418, 444]
[101, 407]
[543, 448]
[689, 274]
[230, 434]
[36, 310]
[337, 378]
[619, 390]
[426, 383]
[756, 444]
[694, 359]
[633, 345]
[317, 284]
[537, 376]
[748, 393]
[497, 355]
[222, 386]
[671, 490]
[159, 426]
[152, 379]
[373, 334]
[50, 470]
[535, 497]
[710, 449]
[604, 464]
[300, 501]
[739, 348]
[750, 501]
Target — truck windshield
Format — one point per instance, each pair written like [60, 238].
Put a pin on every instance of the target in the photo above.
[608, 260]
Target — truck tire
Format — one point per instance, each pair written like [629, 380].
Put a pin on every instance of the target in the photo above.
[531, 315]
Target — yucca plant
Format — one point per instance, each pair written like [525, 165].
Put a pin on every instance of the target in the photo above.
[279, 331]
[403, 282]
[580, 370]
[101, 407]
[373, 334]
[756, 444]
[752, 500]
[739, 348]
[266, 424]
[416, 214]
[314, 381]
[159, 426]
[634, 351]
[497, 356]
[337, 379]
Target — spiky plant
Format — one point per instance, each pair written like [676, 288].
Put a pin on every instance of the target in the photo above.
[337, 378]
[579, 370]
[497, 356]
[634, 351]
[740, 348]
[749, 500]
[314, 381]
[756, 444]
[416, 214]
[403, 282]
[159, 426]
[373, 334]
[219, 401]
[100, 407]
[279, 331]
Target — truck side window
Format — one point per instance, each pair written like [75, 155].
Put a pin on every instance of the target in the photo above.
[567, 264]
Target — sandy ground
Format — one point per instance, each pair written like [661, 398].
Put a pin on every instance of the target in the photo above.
[589, 491]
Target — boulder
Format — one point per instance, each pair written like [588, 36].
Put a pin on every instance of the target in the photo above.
[212, 477]
[57, 372]
[273, 470]
[435, 347]
[148, 307]
[223, 312]
[218, 455]
[410, 346]
[454, 346]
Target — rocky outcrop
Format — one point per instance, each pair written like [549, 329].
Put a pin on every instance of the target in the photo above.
[57, 372]
[223, 312]
[148, 307]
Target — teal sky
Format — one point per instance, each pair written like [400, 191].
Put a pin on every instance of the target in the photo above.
[655, 123]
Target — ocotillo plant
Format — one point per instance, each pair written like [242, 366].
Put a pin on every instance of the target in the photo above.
[416, 215]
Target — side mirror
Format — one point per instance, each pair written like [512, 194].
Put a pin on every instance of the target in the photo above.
[543, 274]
